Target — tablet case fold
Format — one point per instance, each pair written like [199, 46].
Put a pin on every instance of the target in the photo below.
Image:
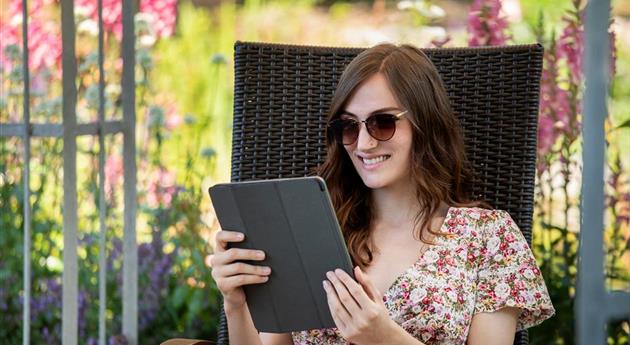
[292, 220]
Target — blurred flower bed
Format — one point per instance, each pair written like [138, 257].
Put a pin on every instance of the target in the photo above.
[184, 81]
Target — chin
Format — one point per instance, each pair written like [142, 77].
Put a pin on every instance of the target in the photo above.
[373, 182]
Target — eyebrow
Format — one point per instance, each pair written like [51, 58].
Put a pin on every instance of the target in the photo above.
[345, 112]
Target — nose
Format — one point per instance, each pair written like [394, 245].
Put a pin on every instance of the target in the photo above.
[365, 141]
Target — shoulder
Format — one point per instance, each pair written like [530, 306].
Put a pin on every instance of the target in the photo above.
[478, 213]
[458, 215]
[478, 222]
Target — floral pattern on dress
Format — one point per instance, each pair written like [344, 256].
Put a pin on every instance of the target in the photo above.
[482, 263]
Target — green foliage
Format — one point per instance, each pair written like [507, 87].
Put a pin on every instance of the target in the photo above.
[202, 90]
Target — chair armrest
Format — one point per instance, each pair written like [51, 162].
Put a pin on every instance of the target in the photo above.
[182, 341]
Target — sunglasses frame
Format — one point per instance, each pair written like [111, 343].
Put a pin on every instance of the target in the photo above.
[396, 116]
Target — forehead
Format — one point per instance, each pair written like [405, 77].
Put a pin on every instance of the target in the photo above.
[371, 95]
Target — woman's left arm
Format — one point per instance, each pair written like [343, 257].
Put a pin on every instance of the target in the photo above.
[359, 312]
[496, 328]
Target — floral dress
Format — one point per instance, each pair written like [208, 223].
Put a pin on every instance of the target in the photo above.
[482, 264]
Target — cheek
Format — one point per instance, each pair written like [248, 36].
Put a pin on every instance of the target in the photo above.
[349, 150]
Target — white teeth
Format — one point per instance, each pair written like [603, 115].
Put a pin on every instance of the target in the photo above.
[374, 160]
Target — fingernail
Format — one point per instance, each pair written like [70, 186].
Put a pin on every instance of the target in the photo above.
[325, 284]
[329, 274]
[338, 271]
[260, 254]
[240, 236]
[266, 270]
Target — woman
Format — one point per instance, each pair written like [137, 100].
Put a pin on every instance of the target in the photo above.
[432, 267]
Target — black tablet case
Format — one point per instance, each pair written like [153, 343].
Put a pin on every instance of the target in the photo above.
[293, 221]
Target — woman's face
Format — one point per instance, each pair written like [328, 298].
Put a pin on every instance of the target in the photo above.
[379, 163]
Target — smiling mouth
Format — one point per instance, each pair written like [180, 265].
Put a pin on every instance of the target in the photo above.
[374, 160]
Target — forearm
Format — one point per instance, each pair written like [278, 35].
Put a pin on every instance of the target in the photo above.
[407, 339]
[401, 337]
[241, 327]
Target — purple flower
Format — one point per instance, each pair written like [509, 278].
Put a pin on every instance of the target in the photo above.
[154, 267]
[571, 44]
[117, 340]
[486, 25]
[613, 49]
[554, 104]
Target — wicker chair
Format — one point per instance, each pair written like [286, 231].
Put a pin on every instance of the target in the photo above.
[282, 93]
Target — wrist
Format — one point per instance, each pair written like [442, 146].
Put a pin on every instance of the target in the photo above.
[399, 336]
[231, 309]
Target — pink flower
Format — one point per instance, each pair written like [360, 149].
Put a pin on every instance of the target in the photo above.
[112, 14]
[555, 111]
[44, 45]
[9, 36]
[173, 121]
[161, 189]
[44, 38]
[164, 13]
[546, 134]
[571, 46]
[613, 49]
[486, 25]
[173, 118]
[113, 173]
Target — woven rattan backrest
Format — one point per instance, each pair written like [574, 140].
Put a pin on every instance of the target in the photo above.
[282, 93]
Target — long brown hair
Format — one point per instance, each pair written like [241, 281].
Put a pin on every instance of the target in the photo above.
[438, 160]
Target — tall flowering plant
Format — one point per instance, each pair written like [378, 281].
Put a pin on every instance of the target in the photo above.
[169, 220]
[487, 25]
[558, 173]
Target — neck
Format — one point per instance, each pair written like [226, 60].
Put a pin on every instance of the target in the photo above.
[395, 205]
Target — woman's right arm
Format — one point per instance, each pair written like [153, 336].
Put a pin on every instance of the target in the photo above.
[230, 275]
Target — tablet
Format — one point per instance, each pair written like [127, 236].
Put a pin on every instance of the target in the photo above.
[292, 220]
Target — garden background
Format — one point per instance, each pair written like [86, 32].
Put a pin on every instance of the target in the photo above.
[184, 107]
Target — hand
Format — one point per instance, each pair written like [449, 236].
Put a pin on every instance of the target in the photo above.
[229, 275]
[358, 309]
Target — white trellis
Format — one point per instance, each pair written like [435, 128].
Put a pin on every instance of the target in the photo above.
[69, 131]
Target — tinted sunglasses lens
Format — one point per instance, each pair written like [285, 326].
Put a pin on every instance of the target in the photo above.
[345, 131]
[349, 131]
[381, 126]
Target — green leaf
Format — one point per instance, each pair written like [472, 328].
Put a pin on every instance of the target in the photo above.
[625, 124]
[196, 302]
[180, 295]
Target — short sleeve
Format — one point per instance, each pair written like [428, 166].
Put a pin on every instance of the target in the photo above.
[508, 275]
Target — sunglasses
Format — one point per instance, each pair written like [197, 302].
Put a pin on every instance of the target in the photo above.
[380, 127]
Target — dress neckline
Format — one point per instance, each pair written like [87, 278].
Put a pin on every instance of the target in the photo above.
[421, 256]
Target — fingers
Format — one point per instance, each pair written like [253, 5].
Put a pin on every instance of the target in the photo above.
[224, 237]
[229, 283]
[368, 285]
[357, 290]
[236, 274]
[338, 312]
[346, 290]
[235, 254]
[241, 268]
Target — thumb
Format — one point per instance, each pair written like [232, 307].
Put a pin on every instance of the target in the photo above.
[367, 284]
